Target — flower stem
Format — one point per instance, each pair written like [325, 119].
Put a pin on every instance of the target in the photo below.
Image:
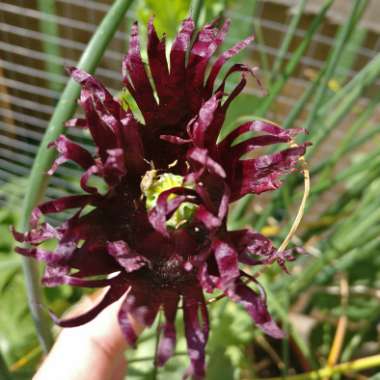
[344, 368]
[196, 8]
[4, 372]
[38, 177]
[156, 344]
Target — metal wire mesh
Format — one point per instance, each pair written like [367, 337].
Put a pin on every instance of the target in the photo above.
[36, 44]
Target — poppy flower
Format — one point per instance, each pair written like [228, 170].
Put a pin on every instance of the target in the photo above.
[158, 236]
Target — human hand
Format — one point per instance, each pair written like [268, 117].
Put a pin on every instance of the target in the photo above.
[94, 351]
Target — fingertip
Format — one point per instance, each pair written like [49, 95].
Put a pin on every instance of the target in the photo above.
[96, 348]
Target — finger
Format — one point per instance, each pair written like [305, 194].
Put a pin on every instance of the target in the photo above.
[92, 351]
[120, 368]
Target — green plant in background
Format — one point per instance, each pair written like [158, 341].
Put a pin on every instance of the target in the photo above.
[16, 333]
[342, 239]
[169, 14]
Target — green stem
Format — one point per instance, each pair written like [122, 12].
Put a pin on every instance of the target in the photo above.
[38, 177]
[340, 41]
[156, 345]
[50, 29]
[337, 247]
[196, 9]
[300, 105]
[4, 372]
[363, 78]
[151, 358]
[344, 368]
[258, 32]
[289, 69]
[285, 342]
[283, 315]
[298, 13]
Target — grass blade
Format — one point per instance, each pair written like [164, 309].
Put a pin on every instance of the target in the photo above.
[298, 13]
[353, 91]
[294, 61]
[49, 28]
[333, 58]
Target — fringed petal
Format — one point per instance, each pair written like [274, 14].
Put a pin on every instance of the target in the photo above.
[263, 173]
[104, 102]
[216, 67]
[210, 221]
[251, 242]
[167, 341]
[158, 63]
[205, 117]
[165, 207]
[109, 120]
[89, 83]
[133, 145]
[207, 41]
[201, 156]
[256, 249]
[54, 274]
[51, 258]
[235, 92]
[224, 203]
[175, 139]
[196, 331]
[227, 260]
[116, 290]
[76, 123]
[43, 232]
[114, 168]
[93, 259]
[256, 306]
[133, 67]
[142, 305]
[260, 126]
[236, 68]
[178, 52]
[129, 259]
[247, 146]
[207, 281]
[102, 135]
[69, 151]
[94, 169]
[65, 203]
[94, 98]
[65, 279]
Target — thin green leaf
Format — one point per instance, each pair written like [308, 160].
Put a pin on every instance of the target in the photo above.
[333, 58]
[298, 13]
[364, 78]
[283, 315]
[196, 9]
[294, 61]
[50, 32]
[4, 373]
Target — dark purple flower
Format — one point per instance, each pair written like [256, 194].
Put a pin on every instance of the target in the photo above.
[160, 229]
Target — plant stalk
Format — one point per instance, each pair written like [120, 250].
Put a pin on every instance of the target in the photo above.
[196, 10]
[344, 368]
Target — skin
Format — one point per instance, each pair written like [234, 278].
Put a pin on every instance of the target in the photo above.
[94, 351]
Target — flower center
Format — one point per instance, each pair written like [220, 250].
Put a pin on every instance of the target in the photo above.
[170, 272]
[153, 184]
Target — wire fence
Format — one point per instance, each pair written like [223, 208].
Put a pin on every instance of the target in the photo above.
[38, 38]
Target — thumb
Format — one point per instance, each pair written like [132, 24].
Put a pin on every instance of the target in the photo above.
[93, 351]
